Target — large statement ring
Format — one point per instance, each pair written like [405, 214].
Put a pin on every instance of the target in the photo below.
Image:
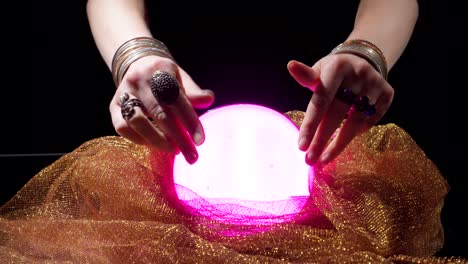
[361, 103]
[128, 105]
[165, 87]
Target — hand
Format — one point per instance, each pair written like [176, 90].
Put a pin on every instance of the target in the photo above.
[172, 128]
[323, 134]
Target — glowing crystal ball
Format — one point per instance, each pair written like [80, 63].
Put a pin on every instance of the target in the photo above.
[250, 153]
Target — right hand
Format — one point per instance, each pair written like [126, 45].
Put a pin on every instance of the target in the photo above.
[171, 128]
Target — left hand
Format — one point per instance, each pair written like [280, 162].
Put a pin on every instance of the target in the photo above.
[323, 134]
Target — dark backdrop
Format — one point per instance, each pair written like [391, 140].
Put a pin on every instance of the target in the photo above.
[56, 88]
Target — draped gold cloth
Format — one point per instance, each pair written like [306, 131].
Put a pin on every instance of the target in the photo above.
[111, 201]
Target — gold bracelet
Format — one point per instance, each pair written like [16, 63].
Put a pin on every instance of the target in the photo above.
[135, 49]
[366, 50]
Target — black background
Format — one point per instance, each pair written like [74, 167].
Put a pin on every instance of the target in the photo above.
[56, 88]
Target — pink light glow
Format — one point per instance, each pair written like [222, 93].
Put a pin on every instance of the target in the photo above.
[250, 154]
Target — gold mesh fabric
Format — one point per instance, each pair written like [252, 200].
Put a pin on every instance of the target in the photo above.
[111, 201]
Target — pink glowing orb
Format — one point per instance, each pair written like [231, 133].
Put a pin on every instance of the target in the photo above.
[250, 154]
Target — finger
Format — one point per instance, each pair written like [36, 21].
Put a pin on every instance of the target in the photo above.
[170, 105]
[202, 100]
[184, 111]
[303, 74]
[326, 129]
[331, 78]
[181, 107]
[173, 128]
[358, 122]
[198, 97]
[350, 129]
[147, 130]
[381, 105]
[138, 125]
[121, 126]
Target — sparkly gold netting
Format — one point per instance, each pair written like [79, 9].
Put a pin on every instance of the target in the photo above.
[110, 201]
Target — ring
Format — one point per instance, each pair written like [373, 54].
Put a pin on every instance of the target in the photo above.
[165, 87]
[362, 105]
[128, 106]
[346, 95]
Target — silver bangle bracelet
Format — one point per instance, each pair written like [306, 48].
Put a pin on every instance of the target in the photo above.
[134, 49]
[134, 56]
[367, 51]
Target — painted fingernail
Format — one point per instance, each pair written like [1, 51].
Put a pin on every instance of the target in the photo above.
[198, 138]
[302, 144]
[324, 159]
[311, 159]
[191, 157]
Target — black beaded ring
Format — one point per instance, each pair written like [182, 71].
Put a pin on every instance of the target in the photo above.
[165, 87]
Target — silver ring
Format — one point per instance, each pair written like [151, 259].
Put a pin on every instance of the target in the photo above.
[128, 106]
[165, 87]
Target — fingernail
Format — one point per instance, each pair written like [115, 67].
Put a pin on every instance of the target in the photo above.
[324, 158]
[311, 159]
[191, 157]
[302, 144]
[198, 138]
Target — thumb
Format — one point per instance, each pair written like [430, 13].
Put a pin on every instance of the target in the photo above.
[201, 98]
[306, 76]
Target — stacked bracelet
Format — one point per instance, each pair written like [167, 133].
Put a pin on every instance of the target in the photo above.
[134, 49]
[366, 50]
